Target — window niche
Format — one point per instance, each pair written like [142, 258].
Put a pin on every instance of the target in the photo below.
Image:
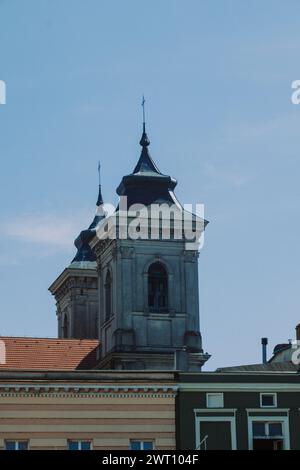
[108, 295]
[157, 288]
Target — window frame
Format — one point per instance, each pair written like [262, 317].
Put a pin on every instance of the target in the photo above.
[17, 443]
[142, 442]
[214, 418]
[283, 420]
[274, 436]
[80, 441]
[219, 394]
[274, 395]
[267, 434]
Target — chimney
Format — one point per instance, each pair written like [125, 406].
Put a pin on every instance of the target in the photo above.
[298, 332]
[264, 342]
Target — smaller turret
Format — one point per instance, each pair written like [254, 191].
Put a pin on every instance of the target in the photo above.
[76, 289]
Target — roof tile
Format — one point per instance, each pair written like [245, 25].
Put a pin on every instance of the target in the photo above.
[22, 353]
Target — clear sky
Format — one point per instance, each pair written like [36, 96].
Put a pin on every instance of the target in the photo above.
[217, 77]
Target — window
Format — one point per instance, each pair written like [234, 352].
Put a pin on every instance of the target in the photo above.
[268, 400]
[79, 445]
[267, 436]
[266, 430]
[16, 445]
[141, 445]
[214, 400]
[259, 429]
[268, 433]
[157, 288]
[108, 295]
[65, 326]
[275, 429]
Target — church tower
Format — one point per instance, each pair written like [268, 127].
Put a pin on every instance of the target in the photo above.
[76, 289]
[148, 288]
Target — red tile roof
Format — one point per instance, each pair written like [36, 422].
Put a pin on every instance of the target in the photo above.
[47, 353]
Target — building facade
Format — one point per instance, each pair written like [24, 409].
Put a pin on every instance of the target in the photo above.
[53, 396]
[86, 410]
[238, 411]
[140, 410]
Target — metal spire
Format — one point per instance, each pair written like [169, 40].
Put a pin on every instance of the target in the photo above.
[144, 142]
[100, 198]
[99, 172]
[143, 105]
[84, 252]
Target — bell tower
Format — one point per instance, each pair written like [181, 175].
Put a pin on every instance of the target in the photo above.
[76, 288]
[148, 286]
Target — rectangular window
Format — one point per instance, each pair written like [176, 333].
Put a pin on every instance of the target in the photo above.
[214, 400]
[268, 433]
[268, 400]
[16, 445]
[275, 429]
[79, 445]
[266, 430]
[259, 429]
[141, 445]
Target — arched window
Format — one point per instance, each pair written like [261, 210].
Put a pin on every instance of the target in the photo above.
[108, 295]
[65, 326]
[157, 288]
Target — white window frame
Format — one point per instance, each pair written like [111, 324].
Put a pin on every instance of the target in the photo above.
[142, 443]
[17, 443]
[230, 419]
[274, 395]
[80, 442]
[284, 420]
[215, 394]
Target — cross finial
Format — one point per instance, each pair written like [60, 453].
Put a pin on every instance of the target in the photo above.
[99, 172]
[143, 105]
[144, 142]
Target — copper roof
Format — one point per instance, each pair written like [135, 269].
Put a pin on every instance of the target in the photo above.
[22, 353]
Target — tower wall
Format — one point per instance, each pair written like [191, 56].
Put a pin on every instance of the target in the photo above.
[76, 294]
[135, 336]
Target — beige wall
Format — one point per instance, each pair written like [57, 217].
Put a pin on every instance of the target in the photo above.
[109, 419]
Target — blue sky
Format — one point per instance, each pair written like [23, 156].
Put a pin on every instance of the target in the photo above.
[217, 77]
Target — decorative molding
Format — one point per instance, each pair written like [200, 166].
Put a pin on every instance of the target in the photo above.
[85, 388]
[101, 246]
[190, 256]
[157, 258]
[92, 391]
[75, 282]
[90, 395]
[127, 252]
[240, 387]
[215, 410]
[114, 253]
[267, 410]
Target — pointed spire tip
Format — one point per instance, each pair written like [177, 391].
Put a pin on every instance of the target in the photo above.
[100, 198]
[144, 142]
